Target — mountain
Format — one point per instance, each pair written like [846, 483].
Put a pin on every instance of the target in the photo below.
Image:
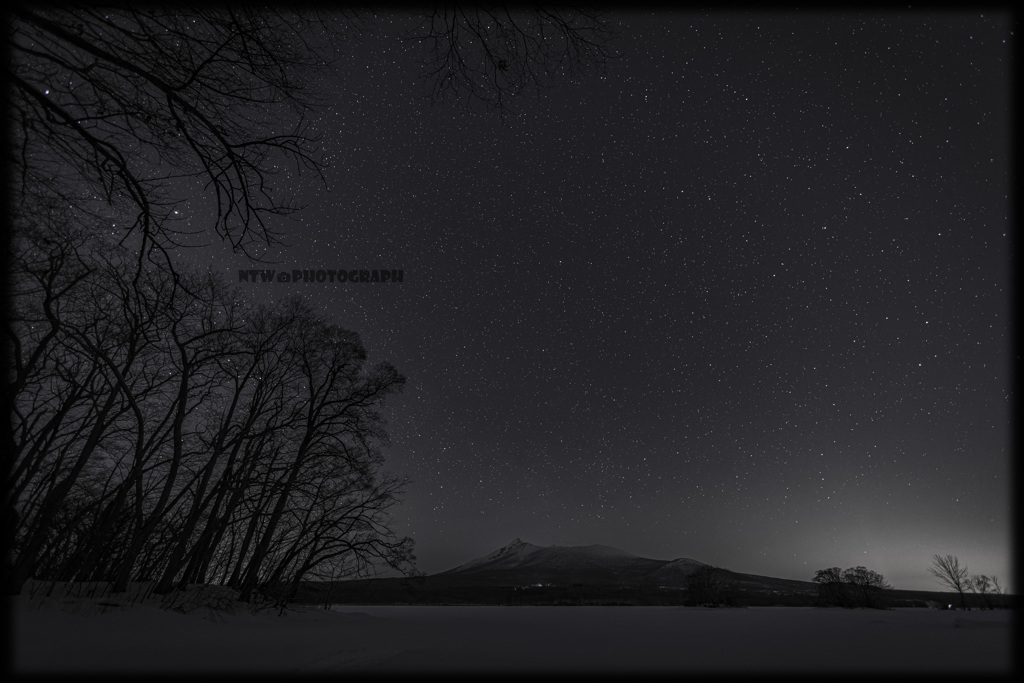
[521, 563]
[522, 573]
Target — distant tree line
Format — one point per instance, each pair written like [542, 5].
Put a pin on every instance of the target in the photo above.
[166, 431]
[862, 587]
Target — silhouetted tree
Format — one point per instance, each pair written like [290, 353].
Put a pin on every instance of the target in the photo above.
[159, 428]
[867, 586]
[982, 585]
[947, 569]
[853, 587]
[997, 589]
[123, 111]
[71, 409]
[163, 427]
[338, 420]
[489, 54]
[708, 586]
[117, 110]
[116, 115]
[832, 588]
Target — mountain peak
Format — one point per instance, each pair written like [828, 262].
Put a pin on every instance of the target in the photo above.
[522, 563]
[519, 555]
[511, 554]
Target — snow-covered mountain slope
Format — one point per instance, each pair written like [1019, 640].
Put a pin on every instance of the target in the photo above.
[519, 554]
[525, 562]
[512, 555]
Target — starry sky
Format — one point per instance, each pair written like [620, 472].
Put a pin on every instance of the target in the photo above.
[744, 296]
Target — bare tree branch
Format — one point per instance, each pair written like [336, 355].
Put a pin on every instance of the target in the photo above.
[488, 55]
[947, 569]
[130, 101]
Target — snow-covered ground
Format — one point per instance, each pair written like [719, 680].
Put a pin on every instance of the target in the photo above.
[64, 635]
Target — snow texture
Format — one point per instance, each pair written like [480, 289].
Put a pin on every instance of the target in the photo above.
[99, 635]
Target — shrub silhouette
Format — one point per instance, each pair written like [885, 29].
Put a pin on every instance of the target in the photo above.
[709, 586]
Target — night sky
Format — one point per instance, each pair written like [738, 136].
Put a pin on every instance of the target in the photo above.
[743, 297]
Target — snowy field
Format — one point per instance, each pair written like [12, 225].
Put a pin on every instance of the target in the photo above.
[77, 637]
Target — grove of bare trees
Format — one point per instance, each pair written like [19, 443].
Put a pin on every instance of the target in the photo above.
[167, 432]
[853, 587]
[160, 429]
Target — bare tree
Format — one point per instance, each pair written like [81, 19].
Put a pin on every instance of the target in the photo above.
[947, 569]
[157, 428]
[117, 114]
[982, 586]
[489, 54]
[337, 400]
[867, 585]
[832, 588]
[853, 587]
[997, 589]
[162, 426]
[69, 403]
[121, 111]
[116, 110]
[709, 586]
